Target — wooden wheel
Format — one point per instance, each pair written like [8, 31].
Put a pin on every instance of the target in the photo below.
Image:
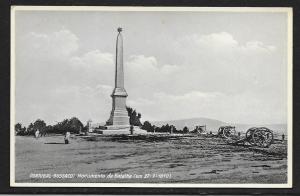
[228, 132]
[220, 131]
[262, 137]
[249, 134]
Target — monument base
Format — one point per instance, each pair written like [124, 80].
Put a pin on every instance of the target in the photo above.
[117, 127]
[122, 129]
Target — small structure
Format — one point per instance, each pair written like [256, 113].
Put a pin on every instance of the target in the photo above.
[171, 130]
[89, 126]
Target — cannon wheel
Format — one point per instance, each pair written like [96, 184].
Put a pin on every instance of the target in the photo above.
[227, 132]
[249, 134]
[262, 137]
[220, 131]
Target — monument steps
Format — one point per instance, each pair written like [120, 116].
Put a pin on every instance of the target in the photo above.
[121, 131]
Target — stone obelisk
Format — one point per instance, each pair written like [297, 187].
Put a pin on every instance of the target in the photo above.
[119, 116]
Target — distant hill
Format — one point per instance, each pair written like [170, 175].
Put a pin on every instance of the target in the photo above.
[213, 125]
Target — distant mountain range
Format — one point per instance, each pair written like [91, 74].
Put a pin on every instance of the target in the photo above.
[213, 125]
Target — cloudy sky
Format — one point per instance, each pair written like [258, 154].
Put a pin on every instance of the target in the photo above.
[226, 66]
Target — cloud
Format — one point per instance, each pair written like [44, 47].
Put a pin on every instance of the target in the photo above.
[93, 60]
[169, 69]
[257, 46]
[145, 74]
[57, 44]
[92, 67]
[140, 102]
[143, 64]
[221, 42]
[104, 90]
[55, 76]
[214, 76]
[84, 102]
[219, 62]
[213, 40]
[190, 96]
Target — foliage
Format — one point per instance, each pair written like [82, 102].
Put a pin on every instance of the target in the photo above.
[18, 126]
[72, 125]
[185, 130]
[148, 127]
[19, 129]
[163, 129]
[39, 125]
[134, 117]
[32, 128]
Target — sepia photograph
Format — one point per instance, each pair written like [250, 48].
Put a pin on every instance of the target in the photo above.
[151, 97]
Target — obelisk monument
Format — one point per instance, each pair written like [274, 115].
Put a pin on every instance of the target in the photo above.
[119, 116]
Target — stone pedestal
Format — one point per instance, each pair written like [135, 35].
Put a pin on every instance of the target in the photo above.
[113, 130]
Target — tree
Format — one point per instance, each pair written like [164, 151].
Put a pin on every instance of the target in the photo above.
[134, 117]
[147, 126]
[39, 125]
[30, 130]
[48, 129]
[185, 130]
[73, 125]
[19, 129]
[173, 129]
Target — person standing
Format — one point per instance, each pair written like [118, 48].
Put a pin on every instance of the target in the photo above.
[67, 137]
[37, 133]
[131, 130]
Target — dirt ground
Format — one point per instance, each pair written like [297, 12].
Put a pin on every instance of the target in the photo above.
[179, 160]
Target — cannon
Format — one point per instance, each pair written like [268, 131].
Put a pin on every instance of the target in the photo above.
[256, 136]
[260, 136]
[226, 131]
[199, 130]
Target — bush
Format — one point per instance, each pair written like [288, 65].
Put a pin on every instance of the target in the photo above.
[134, 117]
[72, 125]
[20, 130]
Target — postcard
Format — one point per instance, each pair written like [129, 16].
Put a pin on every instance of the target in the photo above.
[151, 97]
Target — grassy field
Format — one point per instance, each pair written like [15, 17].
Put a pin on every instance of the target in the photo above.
[179, 160]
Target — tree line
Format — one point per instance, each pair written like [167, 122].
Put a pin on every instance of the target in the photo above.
[74, 125]
[163, 129]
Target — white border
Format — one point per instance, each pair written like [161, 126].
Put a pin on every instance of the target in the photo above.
[287, 10]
